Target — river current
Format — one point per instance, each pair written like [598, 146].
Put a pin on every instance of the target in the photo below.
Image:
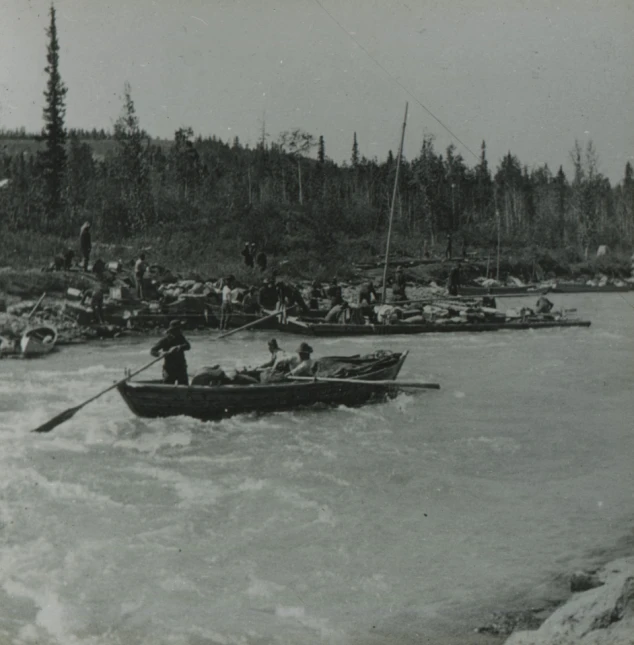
[391, 523]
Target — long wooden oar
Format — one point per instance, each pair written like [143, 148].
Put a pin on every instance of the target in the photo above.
[253, 323]
[413, 384]
[37, 304]
[70, 412]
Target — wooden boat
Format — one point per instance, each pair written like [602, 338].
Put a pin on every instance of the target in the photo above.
[571, 287]
[296, 326]
[526, 290]
[209, 403]
[37, 341]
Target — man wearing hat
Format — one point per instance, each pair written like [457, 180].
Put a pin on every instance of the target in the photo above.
[302, 364]
[173, 347]
[85, 243]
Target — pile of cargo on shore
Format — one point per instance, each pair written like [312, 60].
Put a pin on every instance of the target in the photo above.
[114, 304]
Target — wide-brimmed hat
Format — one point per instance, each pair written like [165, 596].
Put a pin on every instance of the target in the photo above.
[273, 344]
[304, 348]
[174, 324]
[399, 269]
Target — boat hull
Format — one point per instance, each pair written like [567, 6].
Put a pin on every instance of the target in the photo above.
[326, 329]
[38, 341]
[212, 403]
[586, 288]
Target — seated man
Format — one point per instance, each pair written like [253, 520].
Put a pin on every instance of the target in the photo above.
[304, 365]
[543, 305]
[276, 354]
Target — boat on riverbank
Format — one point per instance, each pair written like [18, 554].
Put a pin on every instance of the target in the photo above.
[526, 290]
[302, 327]
[38, 341]
[152, 399]
[571, 287]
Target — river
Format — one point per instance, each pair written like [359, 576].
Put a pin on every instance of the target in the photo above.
[392, 523]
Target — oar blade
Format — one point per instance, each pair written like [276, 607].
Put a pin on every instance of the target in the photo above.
[57, 420]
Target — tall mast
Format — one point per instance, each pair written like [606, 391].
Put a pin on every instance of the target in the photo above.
[389, 230]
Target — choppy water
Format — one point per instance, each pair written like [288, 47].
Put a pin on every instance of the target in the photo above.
[381, 524]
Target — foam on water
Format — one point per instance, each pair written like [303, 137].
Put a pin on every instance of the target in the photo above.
[415, 516]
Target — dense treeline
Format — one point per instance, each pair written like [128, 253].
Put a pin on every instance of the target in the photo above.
[275, 194]
[282, 197]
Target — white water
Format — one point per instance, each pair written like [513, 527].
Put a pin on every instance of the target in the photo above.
[381, 524]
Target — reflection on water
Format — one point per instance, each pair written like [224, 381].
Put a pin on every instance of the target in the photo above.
[420, 514]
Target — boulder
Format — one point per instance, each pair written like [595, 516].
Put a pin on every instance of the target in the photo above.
[600, 616]
[584, 580]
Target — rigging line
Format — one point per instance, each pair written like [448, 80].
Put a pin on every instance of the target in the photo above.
[376, 62]
[626, 301]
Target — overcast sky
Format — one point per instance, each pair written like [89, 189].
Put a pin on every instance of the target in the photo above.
[529, 77]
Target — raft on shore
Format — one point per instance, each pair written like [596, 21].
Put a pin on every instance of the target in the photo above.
[153, 399]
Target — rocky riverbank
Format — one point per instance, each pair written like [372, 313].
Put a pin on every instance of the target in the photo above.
[600, 611]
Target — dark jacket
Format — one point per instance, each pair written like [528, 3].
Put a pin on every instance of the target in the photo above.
[267, 297]
[84, 240]
[174, 363]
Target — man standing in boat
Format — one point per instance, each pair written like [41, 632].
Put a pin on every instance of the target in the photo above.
[173, 347]
[227, 303]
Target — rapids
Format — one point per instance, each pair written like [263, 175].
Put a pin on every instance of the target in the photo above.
[380, 524]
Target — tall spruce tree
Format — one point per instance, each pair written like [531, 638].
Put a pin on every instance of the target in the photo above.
[53, 157]
[354, 158]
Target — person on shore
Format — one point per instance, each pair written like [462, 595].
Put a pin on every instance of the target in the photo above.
[173, 347]
[267, 296]
[95, 301]
[453, 282]
[69, 255]
[543, 305]
[448, 250]
[246, 254]
[314, 294]
[398, 288]
[253, 250]
[335, 293]
[85, 243]
[139, 272]
[261, 261]
[227, 303]
[367, 294]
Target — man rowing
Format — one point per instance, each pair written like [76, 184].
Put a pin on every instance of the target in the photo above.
[173, 347]
[543, 305]
[276, 354]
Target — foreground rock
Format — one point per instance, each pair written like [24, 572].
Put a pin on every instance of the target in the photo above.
[603, 615]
